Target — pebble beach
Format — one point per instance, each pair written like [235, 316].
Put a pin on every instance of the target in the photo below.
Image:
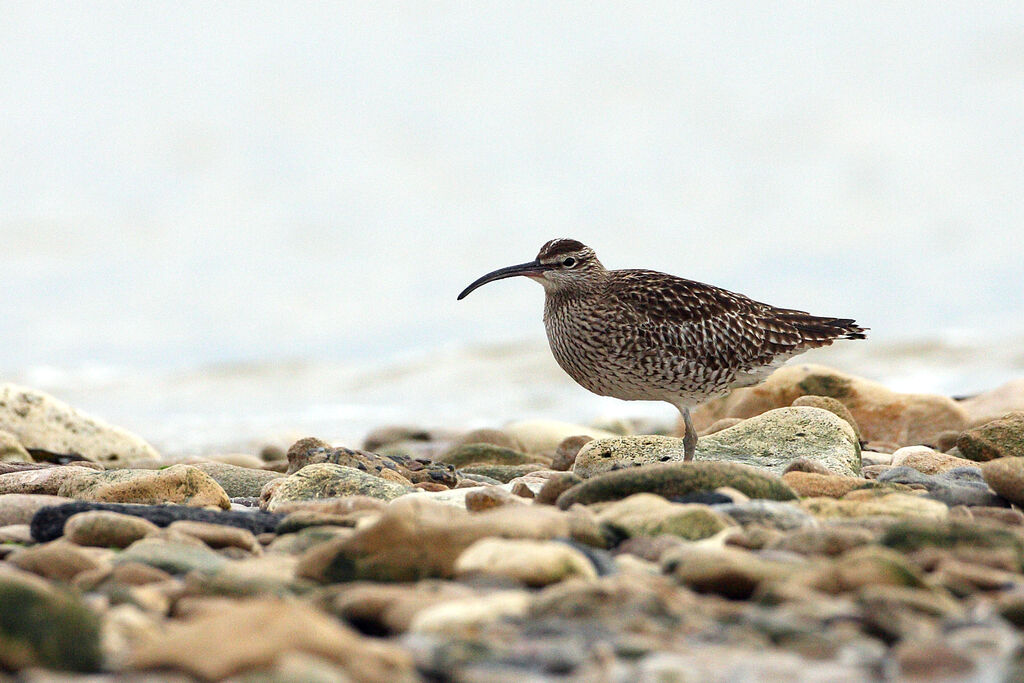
[829, 529]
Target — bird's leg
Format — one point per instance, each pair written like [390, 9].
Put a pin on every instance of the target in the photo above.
[689, 436]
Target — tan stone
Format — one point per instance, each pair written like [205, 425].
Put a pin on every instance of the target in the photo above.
[534, 563]
[106, 529]
[811, 484]
[927, 460]
[182, 484]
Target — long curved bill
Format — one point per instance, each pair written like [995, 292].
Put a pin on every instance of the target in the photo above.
[531, 268]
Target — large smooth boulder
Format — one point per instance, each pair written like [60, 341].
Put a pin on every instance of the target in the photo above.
[41, 422]
[883, 415]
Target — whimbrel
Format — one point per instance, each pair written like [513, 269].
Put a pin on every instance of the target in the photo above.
[641, 335]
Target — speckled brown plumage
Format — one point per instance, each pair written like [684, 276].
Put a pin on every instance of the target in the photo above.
[645, 335]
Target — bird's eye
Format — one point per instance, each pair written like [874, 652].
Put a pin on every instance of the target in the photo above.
[569, 262]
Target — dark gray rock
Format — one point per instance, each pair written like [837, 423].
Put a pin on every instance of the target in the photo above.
[958, 486]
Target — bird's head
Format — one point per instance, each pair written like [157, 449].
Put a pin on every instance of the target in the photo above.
[561, 265]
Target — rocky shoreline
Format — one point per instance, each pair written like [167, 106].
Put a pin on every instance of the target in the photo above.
[829, 530]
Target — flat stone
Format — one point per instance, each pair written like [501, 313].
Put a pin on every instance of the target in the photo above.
[892, 504]
[58, 560]
[811, 485]
[960, 486]
[928, 460]
[39, 421]
[172, 556]
[216, 535]
[325, 480]
[46, 480]
[502, 473]
[182, 484]
[674, 480]
[19, 508]
[106, 529]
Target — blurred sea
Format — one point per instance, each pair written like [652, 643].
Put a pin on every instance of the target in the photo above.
[223, 223]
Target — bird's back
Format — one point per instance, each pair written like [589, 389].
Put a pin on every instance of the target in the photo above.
[645, 335]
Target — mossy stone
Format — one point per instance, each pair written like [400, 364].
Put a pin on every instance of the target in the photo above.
[484, 454]
[48, 628]
[676, 479]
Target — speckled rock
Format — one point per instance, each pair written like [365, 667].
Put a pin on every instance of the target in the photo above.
[646, 514]
[543, 436]
[182, 484]
[676, 479]
[19, 508]
[11, 449]
[891, 504]
[46, 481]
[106, 529]
[325, 480]
[775, 438]
[39, 421]
[484, 454]
[502, 473]
[615, 453]
[251, 635]
[397, 467]
[881, 414]
[927, 460]
[1006, 477]
[41, 626]
[832, 405]
[1000, 438]
[237, 481]
[534, 563]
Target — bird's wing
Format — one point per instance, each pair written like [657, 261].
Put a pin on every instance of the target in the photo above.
[693, 320]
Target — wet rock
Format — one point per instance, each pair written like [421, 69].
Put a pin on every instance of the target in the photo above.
[46, 480]
[811, 485]
[52, 513]
[325, 480]
[11, 449]
[484, 454]
[961, 486]
[892, 504]
[416, 538]
[881, 414]
[238, 482]
[768, 513]
[1006, 477]
[39, 421]
[544, 436]
[645, 514]
[568, 449]
[182, 484]
[1000, 438]
[254, 634]
[774, 439]
[41, 626]
[19, 508]
[502, 473]
[927, 460]
[832, 405]
[533, 563]
[676, 479]
[105, 529]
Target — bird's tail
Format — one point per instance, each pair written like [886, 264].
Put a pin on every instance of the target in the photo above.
[818, 331]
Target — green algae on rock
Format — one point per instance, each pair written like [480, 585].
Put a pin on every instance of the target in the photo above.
[182, 484]
[324, 480]
[1000, 438]
[676, 479]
